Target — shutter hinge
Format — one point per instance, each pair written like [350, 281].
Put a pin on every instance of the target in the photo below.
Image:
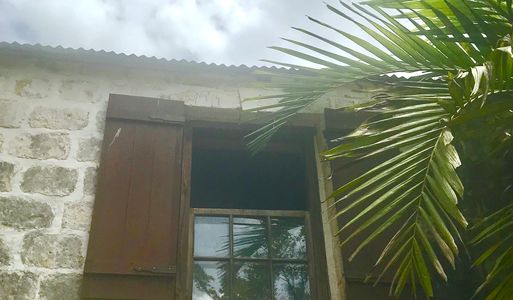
[157, 270]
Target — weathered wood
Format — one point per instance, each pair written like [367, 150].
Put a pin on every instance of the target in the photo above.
[145, 109]
[184, 279]
[107, 286]
[320, 284]
[135, 219]
[249, 212]
[134, 231]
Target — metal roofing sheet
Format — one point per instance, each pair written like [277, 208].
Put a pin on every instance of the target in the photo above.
[102, 56]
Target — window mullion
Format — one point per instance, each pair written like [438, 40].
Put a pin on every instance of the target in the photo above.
[231, 268]
[269, 255]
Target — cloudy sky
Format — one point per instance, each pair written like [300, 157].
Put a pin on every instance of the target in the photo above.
[220, 31]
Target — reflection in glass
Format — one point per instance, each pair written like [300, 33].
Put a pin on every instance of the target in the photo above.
[288, 238]
[211, 236]
[210, 280]
[251, 281]
[291, 282]
[249, 237]
[252, 271]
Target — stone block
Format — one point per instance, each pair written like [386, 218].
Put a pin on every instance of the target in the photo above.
[33, 88]
[60, 286]
[82, 91]
[77, 215]
[208, 97]
[5, 257]
[11, 114]
[6, 174]
[89, 149]
[18, 285]
[101, 117]
[23, 214]
[90, 181]
[58, 118]
[49, 180]
[52, 251]
[41, 146]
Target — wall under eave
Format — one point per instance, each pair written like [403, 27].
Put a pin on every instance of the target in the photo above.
[52, 113]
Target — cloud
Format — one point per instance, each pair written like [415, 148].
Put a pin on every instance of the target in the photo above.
[220, 31]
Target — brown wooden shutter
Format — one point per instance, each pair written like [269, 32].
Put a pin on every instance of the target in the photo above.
[132, 250]
[338, 124]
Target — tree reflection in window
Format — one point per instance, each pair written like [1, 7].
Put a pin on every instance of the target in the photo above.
[210, 280]
[260, 258]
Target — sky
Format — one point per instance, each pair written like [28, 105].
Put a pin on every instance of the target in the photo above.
[219, 31]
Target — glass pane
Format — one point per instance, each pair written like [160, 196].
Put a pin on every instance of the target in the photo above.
[210, 280]
[252, 281]
[291, 282]
[288, 238]
[211, 236]
[249, 237]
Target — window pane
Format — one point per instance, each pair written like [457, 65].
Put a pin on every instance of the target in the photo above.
[291, 282]
[249, 237]
[252, 281]
[211, 236]
[210, 280]
[288, 238]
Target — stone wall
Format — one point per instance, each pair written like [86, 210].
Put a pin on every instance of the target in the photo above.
[50, 135]
[52, 115]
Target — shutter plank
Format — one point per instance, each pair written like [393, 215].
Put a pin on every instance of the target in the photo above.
[139, 198]
[102, 286]
[161, 237]
[113, 189]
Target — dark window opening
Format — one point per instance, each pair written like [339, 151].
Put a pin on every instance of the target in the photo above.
[225, 175]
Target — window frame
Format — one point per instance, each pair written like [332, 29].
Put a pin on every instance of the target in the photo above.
[188, 118]
[317, 261]
[257, 213]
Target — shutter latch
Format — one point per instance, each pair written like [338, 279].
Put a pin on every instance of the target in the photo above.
[157, 270]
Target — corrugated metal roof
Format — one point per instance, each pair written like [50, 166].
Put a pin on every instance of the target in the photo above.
[102, 56]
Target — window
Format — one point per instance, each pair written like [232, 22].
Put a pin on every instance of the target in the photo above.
[162, 175]
[251, 228]
[250, 255]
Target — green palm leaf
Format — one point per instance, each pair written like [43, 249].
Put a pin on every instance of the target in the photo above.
[405, 192]
[462, 51]
[496, 230]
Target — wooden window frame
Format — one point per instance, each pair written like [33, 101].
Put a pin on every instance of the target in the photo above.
[257, 213]
[317, 263]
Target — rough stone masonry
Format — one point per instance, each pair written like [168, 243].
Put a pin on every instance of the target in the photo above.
[50, 136]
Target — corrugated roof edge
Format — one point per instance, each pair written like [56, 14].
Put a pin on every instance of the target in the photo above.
[102, 56]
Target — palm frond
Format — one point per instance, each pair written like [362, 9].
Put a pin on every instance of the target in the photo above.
[462, 50]
[418, 188]
[497, 231]
[459, 35]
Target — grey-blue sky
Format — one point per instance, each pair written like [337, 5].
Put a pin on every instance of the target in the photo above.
[220, 31]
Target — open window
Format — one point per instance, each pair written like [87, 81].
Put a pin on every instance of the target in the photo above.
[252, 234]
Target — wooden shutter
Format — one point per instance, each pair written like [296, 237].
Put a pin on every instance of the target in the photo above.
[338, 124]
[132, 250]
